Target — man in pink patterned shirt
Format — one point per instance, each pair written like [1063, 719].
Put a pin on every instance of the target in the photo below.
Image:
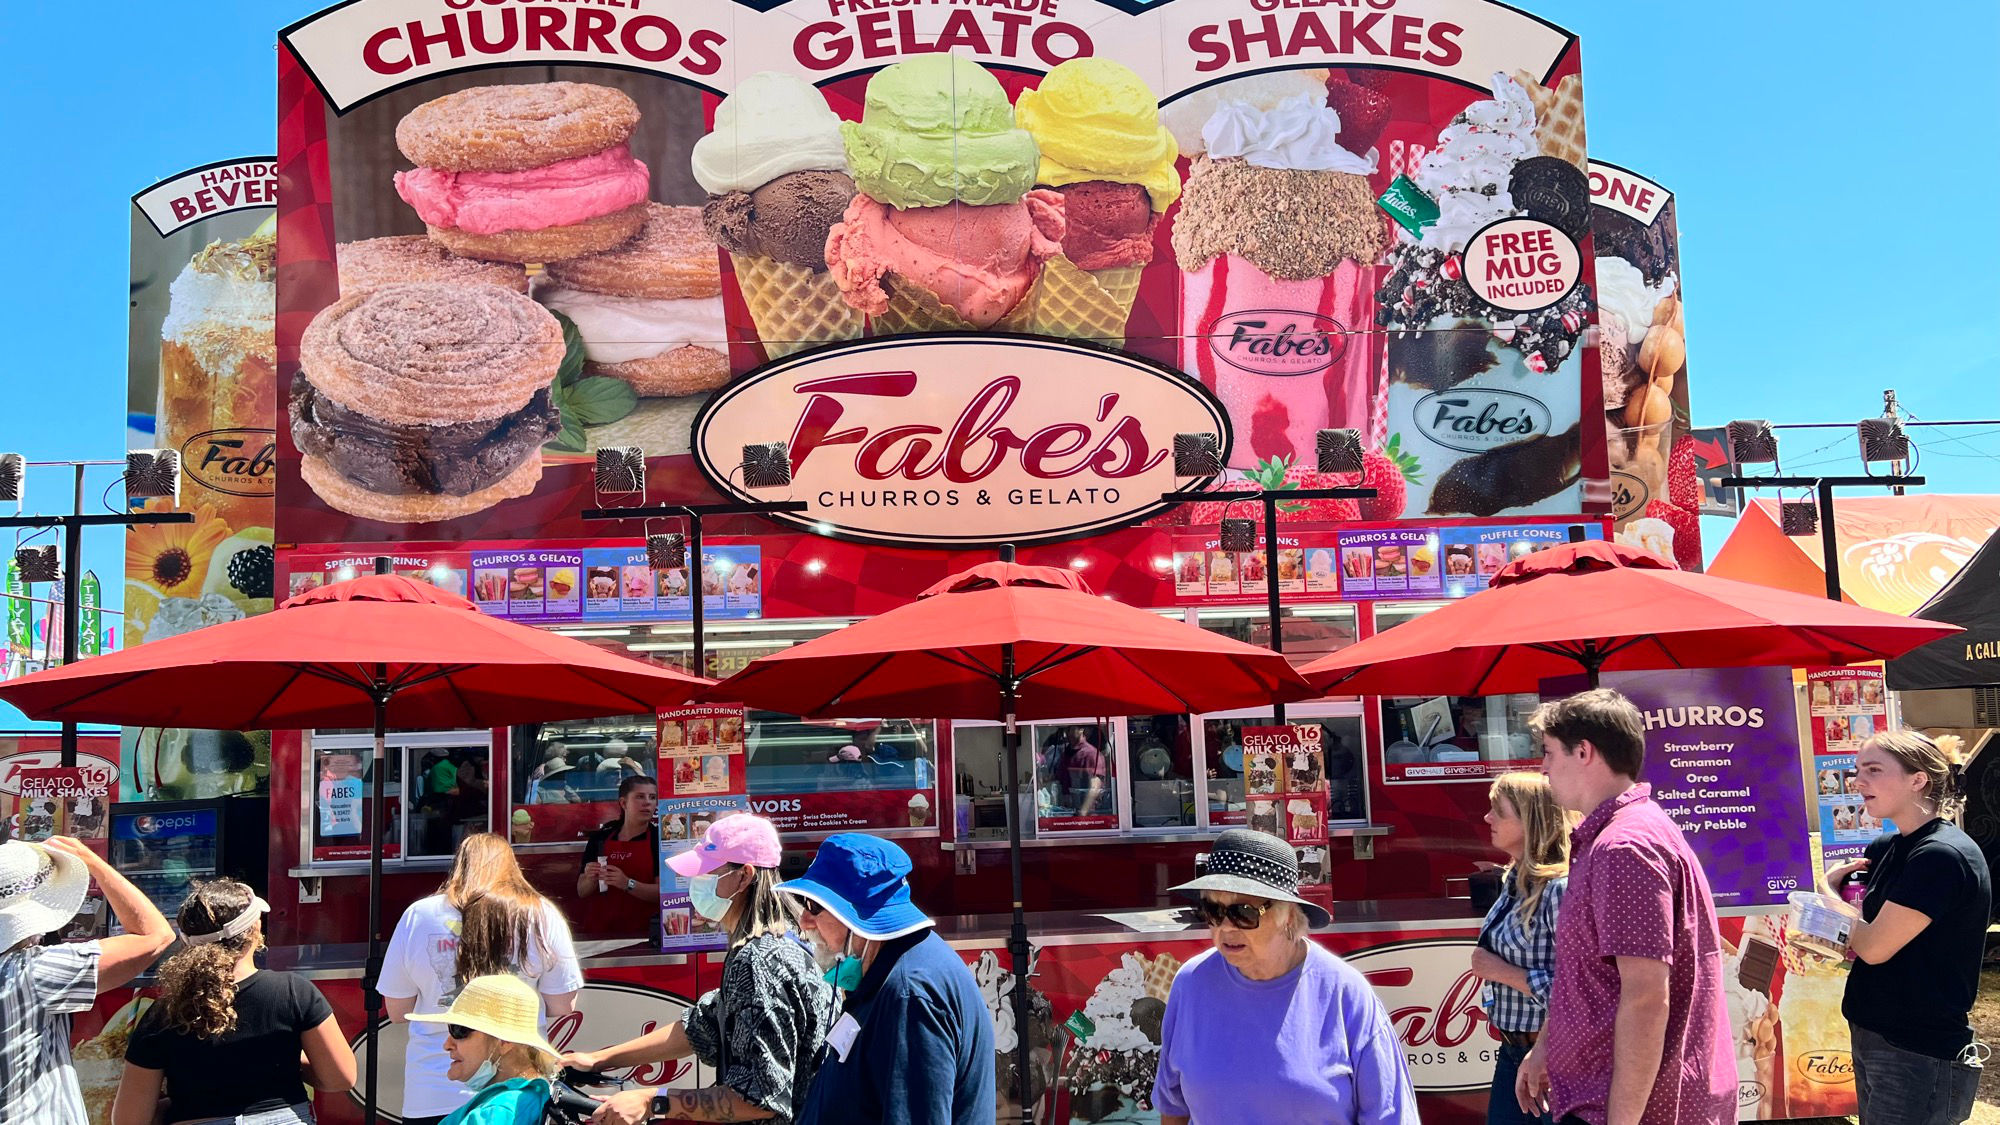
[1637, 1031]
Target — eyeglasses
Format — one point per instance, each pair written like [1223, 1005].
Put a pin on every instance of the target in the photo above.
[814, 908]
[1242, 915]
[458, 1031]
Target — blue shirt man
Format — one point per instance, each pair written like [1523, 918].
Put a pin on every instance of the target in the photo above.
[913, 1044]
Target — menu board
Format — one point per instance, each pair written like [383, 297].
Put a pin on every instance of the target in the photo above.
[1361, 564]
[1284, 788]
[701, 750]
[566, 586]
[1722, 754]
[682, 822]
[701, 780]
[1844, 707]
[612, 584]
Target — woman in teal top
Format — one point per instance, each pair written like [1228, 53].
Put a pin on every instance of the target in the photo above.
[497, 1051]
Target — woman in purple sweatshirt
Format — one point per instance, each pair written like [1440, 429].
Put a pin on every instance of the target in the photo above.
[1269, 1026]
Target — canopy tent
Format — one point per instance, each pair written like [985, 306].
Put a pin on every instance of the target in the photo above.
[1972, 658]
[1896, 552]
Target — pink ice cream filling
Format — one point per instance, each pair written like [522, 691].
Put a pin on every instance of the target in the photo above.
[978, 260]
[554, 195]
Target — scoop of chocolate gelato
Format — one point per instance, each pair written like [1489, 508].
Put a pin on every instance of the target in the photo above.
[786, 219]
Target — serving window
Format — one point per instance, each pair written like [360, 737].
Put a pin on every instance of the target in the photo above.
[436, 790]
[1443, 738]
[1167, 773]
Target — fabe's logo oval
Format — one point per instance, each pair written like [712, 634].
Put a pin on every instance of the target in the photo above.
[961, 440]
[1432, 997]
[1277, 342]
[232, 462]
[1476, 419]
[96, 769]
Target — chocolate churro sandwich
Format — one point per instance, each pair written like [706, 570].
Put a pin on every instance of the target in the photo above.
[425, 401]
[527, 173]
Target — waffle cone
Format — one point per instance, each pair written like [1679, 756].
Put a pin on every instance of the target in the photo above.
[1159, 975]
[912, 308]
[1558, 117]
[1078, 304]
[794, 308]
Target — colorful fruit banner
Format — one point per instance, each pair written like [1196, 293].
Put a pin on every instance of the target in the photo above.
[202, 381]
[1656, 492]
[735, 224]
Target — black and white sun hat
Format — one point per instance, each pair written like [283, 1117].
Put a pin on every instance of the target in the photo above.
[1247, 862]
[41, 889]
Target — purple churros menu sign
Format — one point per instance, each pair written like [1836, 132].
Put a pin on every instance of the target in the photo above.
[1722, 755]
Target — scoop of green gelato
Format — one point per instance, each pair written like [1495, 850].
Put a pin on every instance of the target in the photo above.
[938, 129]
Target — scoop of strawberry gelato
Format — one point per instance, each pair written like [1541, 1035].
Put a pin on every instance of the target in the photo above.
[980, 261]
[554, 195]
[1107, 225]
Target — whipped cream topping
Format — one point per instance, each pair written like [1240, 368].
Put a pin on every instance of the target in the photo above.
[198, 299]
[1110, 1009]
[1187, 116]
[1300, 133]
[619, 329]
[1622, 289]
[1468, 171]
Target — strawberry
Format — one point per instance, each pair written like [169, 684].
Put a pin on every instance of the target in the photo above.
[1683, 488]
[1687, 531]
[1298, 475]
[1364, 113]
[1389, 471]
[1209, 513]
[1369, 77]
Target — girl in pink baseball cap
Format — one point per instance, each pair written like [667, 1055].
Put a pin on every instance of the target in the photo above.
[761, 1032]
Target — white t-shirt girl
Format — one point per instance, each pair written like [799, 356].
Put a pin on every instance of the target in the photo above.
[421, 963]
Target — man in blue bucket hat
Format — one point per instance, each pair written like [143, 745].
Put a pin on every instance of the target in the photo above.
[913, 1044]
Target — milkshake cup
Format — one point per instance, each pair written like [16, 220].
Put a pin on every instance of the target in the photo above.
[218, 367]
[920, 811]
[1278, 238]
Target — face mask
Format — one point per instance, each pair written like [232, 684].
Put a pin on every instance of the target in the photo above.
[845, 974]
[482, 1077]
[702, 896]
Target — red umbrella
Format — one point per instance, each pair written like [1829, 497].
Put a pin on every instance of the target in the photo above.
[1594, 607]
[1007, 641]
[383, 650]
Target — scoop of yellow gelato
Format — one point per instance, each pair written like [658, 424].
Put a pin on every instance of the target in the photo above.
[1094, 119]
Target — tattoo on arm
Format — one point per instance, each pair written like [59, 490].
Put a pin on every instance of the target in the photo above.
[714, 1103]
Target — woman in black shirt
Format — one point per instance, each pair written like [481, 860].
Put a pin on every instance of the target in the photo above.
[225, 1036]
[1917, 939]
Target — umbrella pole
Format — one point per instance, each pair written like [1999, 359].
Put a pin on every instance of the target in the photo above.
[1017, 937]
[372, 999]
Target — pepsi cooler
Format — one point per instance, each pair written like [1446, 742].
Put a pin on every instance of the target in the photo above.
[165, 847]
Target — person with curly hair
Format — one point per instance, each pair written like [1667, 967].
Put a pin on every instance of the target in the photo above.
[224, 1040]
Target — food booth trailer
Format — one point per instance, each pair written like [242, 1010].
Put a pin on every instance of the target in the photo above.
[1296, 220]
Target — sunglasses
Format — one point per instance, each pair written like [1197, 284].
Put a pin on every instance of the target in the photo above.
[458, 1031]
[814, 908]
[1242, 915]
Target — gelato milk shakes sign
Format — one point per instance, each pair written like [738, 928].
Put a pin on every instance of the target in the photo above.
[963, 440]
[1275, 219]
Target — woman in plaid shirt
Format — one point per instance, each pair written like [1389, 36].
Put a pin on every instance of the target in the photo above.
[1517, 942]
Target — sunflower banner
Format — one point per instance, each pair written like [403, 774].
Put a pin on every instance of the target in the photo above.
[202, 382]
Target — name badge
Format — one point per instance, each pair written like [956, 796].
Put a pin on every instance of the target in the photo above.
[841, 1037]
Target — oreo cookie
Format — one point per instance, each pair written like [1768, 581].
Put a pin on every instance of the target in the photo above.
[1553, 191]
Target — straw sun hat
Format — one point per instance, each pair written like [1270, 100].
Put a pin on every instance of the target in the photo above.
[505, 1007]
[41, 889]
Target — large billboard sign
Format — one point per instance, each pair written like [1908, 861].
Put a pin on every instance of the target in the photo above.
[515, 235]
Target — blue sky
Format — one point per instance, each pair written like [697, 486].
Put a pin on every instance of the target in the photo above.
[1835, 238]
